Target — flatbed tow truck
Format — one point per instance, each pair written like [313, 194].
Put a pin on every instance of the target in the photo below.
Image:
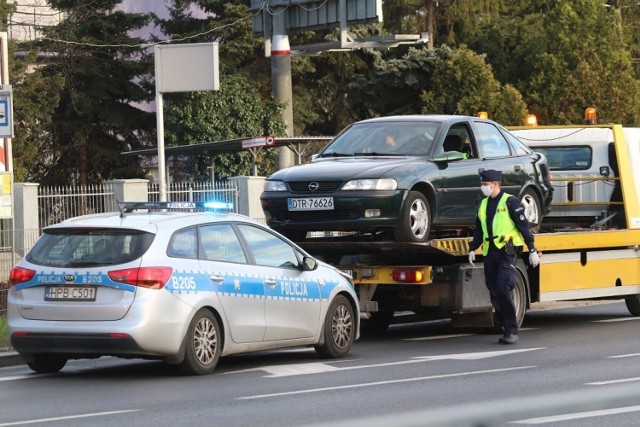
[579, 260]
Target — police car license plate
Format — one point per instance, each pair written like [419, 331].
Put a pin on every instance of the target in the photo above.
[311, 204]
[70, 293]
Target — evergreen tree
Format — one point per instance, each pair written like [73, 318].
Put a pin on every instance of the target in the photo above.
[102, 69]
[34, 99]
[435, 81]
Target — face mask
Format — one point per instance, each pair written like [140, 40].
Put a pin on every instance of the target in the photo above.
[486, 190]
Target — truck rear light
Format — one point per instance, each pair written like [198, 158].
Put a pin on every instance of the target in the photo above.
[146, 277]
[409, 276]
[20, 275]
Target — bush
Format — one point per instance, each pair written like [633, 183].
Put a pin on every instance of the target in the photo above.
[4, 333]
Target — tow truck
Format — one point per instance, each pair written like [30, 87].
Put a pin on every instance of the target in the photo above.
[583, 257]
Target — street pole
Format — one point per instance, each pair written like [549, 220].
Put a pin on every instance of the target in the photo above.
[4, 51]
[281, 82]
[162, 188]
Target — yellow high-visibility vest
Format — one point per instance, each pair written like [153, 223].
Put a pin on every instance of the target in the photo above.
[504, 229]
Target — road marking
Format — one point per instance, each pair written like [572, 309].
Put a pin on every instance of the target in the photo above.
[623, 380]
[476, 356]
[21, 377]
[620, 356]
[578, 415]
[440, 337]
[69, 417]
[621, 319]
[293, 368]
[378, 383]
[275, 371]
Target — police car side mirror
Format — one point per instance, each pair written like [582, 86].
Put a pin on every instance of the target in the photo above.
[309, 264]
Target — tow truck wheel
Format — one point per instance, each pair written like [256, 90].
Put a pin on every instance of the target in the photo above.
[532, 209]
[378, 322]
[415, 220]
[633, 304]
[339, 329]
[46, 363]
[519, 295]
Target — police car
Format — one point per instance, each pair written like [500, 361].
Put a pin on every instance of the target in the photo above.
[175, 284]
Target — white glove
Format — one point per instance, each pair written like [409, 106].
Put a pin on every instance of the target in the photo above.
[472, 257]
[534, 259]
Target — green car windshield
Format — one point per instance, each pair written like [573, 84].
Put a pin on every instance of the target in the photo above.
[384, 138]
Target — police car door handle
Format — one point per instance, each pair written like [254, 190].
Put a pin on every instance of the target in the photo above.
[217, 279]
[270, 282]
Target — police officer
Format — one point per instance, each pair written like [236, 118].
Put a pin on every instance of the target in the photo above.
[501, 229]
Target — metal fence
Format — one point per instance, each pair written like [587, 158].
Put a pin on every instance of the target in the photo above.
[58, 203]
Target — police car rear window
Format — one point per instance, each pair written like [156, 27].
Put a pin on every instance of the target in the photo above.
[567, 158]
[89, 247]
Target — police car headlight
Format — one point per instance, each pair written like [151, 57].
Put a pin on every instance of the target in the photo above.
[274, 186]
[371, 184]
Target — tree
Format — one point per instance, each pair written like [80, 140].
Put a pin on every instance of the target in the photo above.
[34, 102]
[564, 57]
[34, 99]
[463, 83]
[441, 81]
[235, 111]
[103, 71]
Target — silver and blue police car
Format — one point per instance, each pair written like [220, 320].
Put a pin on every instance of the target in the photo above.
[182, 286]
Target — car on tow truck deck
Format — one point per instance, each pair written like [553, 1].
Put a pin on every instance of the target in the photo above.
[403, 177]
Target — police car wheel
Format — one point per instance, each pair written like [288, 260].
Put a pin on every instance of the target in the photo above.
[339, 329]
[45, 363]
[202, 345]
[415, 219]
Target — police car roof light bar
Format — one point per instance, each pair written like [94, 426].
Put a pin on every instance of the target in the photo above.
[127, 207]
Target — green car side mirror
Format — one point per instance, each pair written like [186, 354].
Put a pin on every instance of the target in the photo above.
[449, 156]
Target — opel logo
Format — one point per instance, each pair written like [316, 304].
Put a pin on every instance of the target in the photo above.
[313, 186]
[69, 277]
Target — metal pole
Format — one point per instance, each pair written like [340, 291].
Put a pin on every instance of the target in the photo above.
[162, 190]
[281, 81]
[8, 152]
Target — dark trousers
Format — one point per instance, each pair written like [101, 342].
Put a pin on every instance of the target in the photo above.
[500, 277]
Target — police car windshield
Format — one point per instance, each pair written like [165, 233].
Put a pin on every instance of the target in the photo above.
[89, 248]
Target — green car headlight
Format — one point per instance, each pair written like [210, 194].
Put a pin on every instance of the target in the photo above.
[274, 186]
[371, 184]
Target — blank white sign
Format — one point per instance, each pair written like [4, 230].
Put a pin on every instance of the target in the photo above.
[187, 67]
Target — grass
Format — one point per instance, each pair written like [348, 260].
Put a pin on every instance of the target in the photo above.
[4, 333]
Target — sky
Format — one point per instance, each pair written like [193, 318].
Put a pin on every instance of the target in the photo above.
[158, 7]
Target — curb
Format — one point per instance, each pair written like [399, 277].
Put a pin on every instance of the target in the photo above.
[10, 358]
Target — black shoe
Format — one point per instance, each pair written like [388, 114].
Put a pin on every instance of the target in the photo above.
[508, 339]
